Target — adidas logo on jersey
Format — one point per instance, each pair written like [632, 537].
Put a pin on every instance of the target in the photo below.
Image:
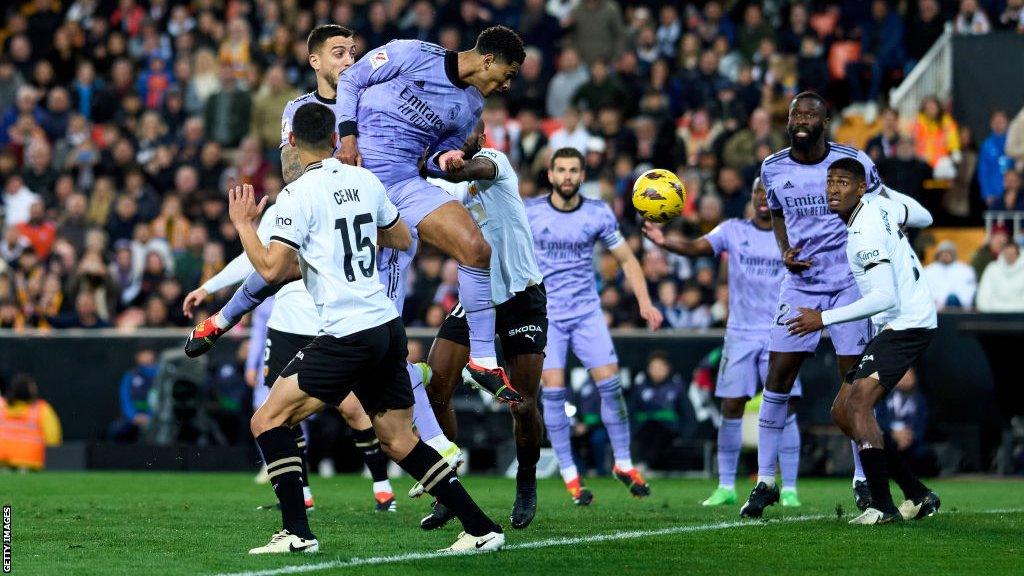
[788, 185]
[419, 83]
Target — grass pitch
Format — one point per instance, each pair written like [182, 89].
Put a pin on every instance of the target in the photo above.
[157, 523]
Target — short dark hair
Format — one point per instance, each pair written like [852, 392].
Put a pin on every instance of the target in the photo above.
[313, 125]
[20, 389]
[850, 165]
[812, 95]
[503, 42]
[568, 152]
[321, 33]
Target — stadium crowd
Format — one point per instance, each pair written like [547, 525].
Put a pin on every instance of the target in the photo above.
[123, 123]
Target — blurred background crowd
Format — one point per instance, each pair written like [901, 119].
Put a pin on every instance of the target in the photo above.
[122, 123]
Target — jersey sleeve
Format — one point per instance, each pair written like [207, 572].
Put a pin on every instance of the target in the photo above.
[874, 181]
[719, 237]
[609, 232]
[286, 123]
[769, 188]
[376, 67]
[503, 171]
[291, 225]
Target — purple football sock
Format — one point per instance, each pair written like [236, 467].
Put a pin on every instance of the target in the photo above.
[770, 423]
[730, 441]
[422, 415]
[557, 423]
[789, 453]
[247, 297]
[858, 469]
[614, 416]
[475, 296]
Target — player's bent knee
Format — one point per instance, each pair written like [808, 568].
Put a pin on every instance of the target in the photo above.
[524, 409]
[476, 252]
[732, 408]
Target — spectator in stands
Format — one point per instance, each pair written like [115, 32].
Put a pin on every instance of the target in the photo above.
[228, 110]
[529, 143]
[125, 273]
[733, 192]
[422, 26]
[13, 245]
[601, 90]
[992, 160]
[1012, 198]
[73, 224]
[883, 145]
[171, 224]
[655, 398]
[998, 236]
[84, 316]
[905, 172]
[881, 38]
[695, 314]
[530, 88]
[596, 30]
[952, 282]
[936, 133]
[133, 395]
[17, 200]
[903, 418]
[1002, 285]
[28, 424]
[740, 147]
[563, 86]
[39, 230]
[572, 134]
[753, 31]
[1012, 17]
[971, 19]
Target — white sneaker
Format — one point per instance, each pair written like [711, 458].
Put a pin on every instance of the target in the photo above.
[875, 516]
[285, 542]
[467, 543]
[455, 460]
[262, 477]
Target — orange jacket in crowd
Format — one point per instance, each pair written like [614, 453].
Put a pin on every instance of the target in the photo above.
[936, 139]
[26, 429]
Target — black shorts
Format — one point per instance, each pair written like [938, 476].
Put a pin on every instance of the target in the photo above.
[369, 363]
[890, 354]
[521, 323]
[279, 351]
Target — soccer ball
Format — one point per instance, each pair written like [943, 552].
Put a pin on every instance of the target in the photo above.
[658, 195]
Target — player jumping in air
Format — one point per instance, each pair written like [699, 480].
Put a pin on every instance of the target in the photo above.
[565, 228]
[407, 97]
[902, 314]
[489, 187]
[294, 320]
[332, 217]
[755, 274]
[813, 247]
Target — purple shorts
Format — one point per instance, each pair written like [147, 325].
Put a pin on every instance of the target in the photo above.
[848, 339]
[744, 366]
[416, 198]
[589, 338]
[393, 268]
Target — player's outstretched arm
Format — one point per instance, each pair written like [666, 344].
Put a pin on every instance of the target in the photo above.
[698, 247]
[916, 215]
[635, 277]
[477, 168]
[274, 263]
[397, 236]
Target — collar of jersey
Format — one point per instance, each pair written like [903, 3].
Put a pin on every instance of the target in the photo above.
[314, 166]
[557, 209]
[828, 148]
[451, 69]
[856, 211]
[316, 94]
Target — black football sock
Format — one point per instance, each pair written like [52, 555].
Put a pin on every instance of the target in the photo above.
[912, 488]
[376, 461]
[438, 479]
[526, 476]
[300, 443]
[284, 467]
[873, 460]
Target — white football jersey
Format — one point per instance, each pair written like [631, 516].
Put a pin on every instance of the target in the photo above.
[498, 210]
[874, 237]
[330, 215]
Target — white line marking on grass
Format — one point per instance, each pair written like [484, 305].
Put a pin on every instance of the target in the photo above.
[553, 542]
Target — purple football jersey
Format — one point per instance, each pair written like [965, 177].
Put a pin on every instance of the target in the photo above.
[755, 273]
[403, 99]
[564, 243]
[289, 113]
[799, 191]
